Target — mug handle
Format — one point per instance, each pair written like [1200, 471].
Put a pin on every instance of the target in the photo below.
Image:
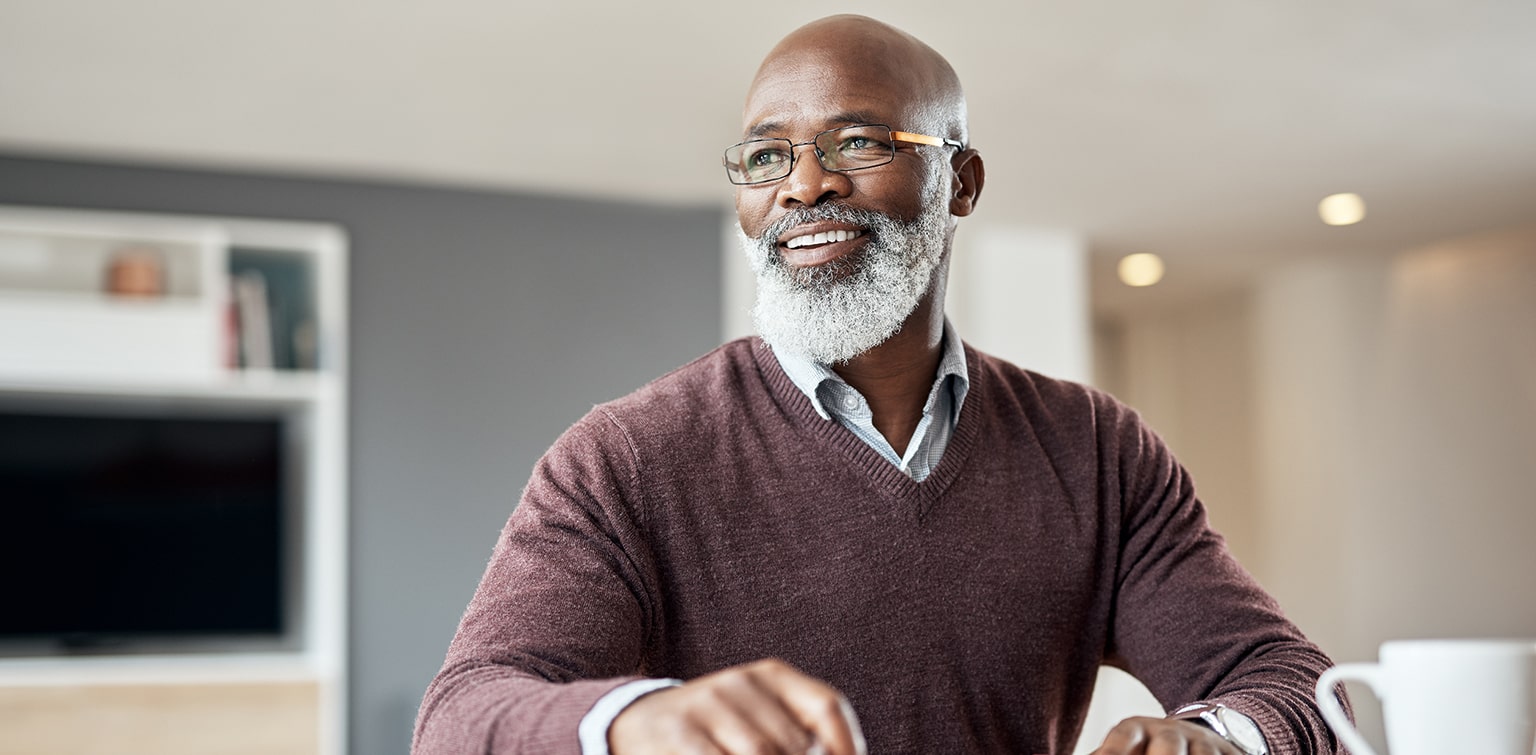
[1333, 712]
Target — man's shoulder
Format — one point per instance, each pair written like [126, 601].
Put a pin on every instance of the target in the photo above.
[706, 390]
[1067, 413]
[718, 380]
[1014, 383]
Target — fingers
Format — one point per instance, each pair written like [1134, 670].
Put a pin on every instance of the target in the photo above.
[1161, 736]
[764, 708]
[1127, 738]
[818, 707]
[755, 719]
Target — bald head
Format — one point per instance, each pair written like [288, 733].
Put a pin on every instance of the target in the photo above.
[881, 60]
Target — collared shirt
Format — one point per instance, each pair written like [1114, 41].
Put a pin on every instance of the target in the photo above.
[835, 400]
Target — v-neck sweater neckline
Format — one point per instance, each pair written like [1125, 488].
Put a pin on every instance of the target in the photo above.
[884, 476]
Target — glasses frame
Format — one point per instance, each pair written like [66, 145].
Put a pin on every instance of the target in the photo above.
[896, 136]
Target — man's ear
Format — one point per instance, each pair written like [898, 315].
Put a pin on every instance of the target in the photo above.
[970, 175]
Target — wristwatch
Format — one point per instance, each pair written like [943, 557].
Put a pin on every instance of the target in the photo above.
[1228, 724]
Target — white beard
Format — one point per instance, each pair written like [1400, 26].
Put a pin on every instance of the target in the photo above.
[834, 312]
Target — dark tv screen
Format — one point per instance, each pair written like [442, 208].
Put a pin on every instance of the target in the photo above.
[116, 528]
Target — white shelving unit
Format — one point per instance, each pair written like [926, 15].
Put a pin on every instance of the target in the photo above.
[64, 341]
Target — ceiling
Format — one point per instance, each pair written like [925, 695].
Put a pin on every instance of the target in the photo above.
[1203, 130]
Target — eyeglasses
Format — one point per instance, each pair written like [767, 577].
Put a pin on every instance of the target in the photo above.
[840, 149]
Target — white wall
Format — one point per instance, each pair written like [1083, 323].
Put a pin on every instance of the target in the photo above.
[737, 289]
[1021, 293]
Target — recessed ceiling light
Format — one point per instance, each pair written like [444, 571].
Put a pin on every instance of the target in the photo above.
[1142, 269]
[1341, 209]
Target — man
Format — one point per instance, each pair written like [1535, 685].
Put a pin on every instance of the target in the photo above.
[858, 528]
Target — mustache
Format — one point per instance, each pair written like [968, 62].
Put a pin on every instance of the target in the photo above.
[870, 220]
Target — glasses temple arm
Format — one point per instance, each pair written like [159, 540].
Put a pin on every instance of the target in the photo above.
[905, 136]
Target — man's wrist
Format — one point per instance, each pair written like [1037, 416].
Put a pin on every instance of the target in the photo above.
[593, 730]
[1236, 728]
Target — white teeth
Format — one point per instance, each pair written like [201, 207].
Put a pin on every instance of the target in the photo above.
[824, 237]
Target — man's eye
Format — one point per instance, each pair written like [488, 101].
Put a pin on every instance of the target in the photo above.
[862, 145]
[765, 158]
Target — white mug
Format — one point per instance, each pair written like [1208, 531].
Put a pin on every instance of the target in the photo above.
[1444, 696]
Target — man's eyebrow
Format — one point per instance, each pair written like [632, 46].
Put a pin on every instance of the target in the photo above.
[763, 129]
[852, 118]
[847, 118]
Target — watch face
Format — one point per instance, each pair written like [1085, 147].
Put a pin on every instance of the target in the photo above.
[1244, 732]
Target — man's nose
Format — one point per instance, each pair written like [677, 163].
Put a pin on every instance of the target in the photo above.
[809, 183]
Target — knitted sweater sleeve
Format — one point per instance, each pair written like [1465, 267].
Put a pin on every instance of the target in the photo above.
[561, 614]
[1189, 621]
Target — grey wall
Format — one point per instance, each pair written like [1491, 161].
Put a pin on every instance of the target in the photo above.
[482, 325]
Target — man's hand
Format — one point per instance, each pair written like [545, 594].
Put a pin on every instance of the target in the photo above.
[762, 708]
[1163, 736]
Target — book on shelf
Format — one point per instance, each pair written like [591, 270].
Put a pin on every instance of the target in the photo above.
[255, 320]
[279, 298]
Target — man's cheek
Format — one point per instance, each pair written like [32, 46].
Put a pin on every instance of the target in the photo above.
[749, 216]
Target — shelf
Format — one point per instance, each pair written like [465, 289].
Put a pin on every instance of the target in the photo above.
[253, 387]
[207, 294]
[158, 669]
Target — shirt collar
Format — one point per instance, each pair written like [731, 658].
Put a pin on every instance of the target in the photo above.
[808, 375]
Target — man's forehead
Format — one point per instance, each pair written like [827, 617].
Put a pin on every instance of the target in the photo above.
[824, 87]
[812, 68]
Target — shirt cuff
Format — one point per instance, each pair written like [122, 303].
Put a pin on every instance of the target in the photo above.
[593, 731]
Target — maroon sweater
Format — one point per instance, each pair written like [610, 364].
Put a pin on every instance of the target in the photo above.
[712, 518]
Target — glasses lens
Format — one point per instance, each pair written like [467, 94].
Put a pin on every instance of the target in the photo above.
[759, 160]
[855, 147]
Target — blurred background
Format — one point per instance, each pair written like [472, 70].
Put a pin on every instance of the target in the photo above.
[537, 221]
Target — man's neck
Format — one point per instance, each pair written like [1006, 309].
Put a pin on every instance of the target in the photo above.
[897, 376]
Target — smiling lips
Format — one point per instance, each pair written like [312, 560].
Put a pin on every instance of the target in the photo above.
[806, 247]
[823, 237]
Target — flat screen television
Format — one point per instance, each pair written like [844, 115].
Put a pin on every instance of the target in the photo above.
[125, 531]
